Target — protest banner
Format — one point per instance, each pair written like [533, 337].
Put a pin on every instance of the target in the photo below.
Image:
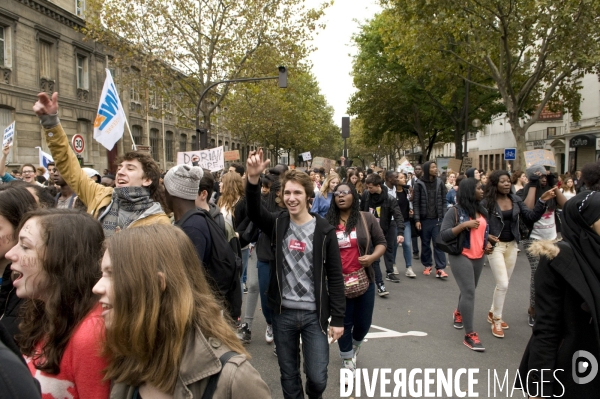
[233, 155]
[539, 157]
[467, 163]
[454, 165]
[306, 156]
[325, 163]
[405, 166]
[211, 159]
[9, 134]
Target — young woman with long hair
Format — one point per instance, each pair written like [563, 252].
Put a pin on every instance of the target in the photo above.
[468, 221]
[55, 266]
[518, 180]
[450, 179]
[323, 198]
[353, 177]
[355, 232]
[568, 189]
[404, 203]
[165, 331]
[505, 209]
[15, 202]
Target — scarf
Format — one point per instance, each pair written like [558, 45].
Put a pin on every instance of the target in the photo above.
[580, 212]
[127, 205]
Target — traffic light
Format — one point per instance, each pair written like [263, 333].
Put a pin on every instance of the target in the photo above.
[282, 77]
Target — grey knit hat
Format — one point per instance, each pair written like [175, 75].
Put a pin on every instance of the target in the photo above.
[530, 171]
[183, 181]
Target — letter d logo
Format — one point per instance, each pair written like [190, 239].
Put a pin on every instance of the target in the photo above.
[583, 362]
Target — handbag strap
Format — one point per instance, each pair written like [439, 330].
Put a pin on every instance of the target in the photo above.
[362, 218]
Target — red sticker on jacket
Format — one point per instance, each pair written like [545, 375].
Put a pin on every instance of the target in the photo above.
[297, 245]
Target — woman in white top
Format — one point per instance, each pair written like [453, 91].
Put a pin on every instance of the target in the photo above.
[568, 189]
[451, 180]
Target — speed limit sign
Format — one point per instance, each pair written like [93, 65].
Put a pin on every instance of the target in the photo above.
[78, 143]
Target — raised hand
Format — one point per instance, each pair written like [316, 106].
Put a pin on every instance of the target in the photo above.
[255, 165]
[46, 105]
[548, 195]
[6, 150]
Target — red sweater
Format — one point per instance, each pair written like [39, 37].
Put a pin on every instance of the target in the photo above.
[81, 365]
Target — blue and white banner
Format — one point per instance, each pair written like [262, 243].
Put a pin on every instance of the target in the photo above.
[44, 160]
[9, 135]
[109, 125]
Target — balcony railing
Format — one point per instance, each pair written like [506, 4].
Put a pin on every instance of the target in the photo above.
[587, 122]
[544, 133]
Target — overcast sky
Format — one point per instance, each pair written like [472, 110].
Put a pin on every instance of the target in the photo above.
[332, 61]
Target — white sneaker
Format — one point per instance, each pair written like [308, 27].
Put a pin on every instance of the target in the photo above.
[350, 365]
[269, 334]
[356, 349]
[410, 273]
[396, 271]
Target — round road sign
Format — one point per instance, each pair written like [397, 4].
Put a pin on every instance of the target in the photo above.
[78, 143]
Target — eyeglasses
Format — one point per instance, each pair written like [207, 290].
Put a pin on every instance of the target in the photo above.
[343, 192]
[28, 171]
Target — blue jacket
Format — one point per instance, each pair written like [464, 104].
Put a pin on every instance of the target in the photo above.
[321, 204]
[451, 197]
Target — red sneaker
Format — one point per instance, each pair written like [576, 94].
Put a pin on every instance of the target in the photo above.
[441, 274]
[458, 323]
[472, 342]
[427, 270]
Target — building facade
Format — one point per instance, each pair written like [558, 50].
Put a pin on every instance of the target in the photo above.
[42, 50]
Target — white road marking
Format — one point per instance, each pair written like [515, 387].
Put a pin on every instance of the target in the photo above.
[387, 333]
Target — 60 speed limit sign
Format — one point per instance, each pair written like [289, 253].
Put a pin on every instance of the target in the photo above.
[78, 143]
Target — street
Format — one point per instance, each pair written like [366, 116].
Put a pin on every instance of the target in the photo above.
[424, 306]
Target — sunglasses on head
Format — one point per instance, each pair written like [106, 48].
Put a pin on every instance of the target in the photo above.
[342, 192]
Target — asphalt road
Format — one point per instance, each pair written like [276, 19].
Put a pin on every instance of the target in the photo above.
[425, 305]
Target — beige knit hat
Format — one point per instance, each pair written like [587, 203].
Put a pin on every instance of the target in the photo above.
[183, 181]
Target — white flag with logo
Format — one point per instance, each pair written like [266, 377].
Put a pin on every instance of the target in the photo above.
[44, 160]
[109, 125]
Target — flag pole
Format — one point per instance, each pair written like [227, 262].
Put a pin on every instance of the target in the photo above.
[130, 134]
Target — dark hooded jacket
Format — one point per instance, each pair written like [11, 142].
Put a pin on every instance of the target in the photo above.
[389, 207]
[10, 304]
[422, 200]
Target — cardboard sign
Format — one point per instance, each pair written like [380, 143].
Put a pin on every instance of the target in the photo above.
[539, 157]
[467, 163]
[143, 148]
[212, 159]
[405, 166]
[306, 156]
[325, 163]
[233, 155]
[9, 135]
[454, 165]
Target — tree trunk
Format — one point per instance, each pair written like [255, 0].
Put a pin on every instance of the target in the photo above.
[519, 134]
[458, 153]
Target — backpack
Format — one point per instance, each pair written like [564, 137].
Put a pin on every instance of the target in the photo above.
[225, 266]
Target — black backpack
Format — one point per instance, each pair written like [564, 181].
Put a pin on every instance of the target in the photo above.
[225, 266]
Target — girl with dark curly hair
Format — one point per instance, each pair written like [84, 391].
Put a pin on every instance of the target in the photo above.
[355, 232]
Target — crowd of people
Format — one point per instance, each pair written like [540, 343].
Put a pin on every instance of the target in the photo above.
[147, 300]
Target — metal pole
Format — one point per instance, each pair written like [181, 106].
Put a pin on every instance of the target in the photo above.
[201, 138]
[467, 112]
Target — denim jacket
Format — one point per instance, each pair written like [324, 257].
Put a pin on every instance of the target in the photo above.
[449, 223]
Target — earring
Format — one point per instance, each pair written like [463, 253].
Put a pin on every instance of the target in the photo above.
[277, 200]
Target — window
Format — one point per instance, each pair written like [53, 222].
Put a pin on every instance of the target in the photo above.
[212, 143]
[82, 72]
[3, 46]
[154, 141]
[134, 94]
[6, 118]
[183, 143]
[169, 147]
[46, 60]
[194, 144]
[79, 8]
[226, 146]
[136, 132]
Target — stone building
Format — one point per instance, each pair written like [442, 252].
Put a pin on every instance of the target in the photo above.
[41, 49]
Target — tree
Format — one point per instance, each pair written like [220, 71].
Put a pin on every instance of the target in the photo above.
[535, 53]
[416, 96]
[297, 118]
[198, 42]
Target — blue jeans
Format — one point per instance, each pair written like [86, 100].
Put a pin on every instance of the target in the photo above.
[430, 228]
[288, 327]
[357, 321]
[264, 275]
[245, 256]
[406, 245]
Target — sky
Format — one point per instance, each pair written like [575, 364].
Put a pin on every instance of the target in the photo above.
[332, 61]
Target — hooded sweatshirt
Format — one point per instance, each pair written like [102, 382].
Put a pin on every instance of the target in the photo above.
[431, 191]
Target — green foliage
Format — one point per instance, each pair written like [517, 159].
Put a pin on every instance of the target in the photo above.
[296, 118]
[533, 52]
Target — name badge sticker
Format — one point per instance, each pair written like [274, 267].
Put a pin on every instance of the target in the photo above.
[296, 245]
